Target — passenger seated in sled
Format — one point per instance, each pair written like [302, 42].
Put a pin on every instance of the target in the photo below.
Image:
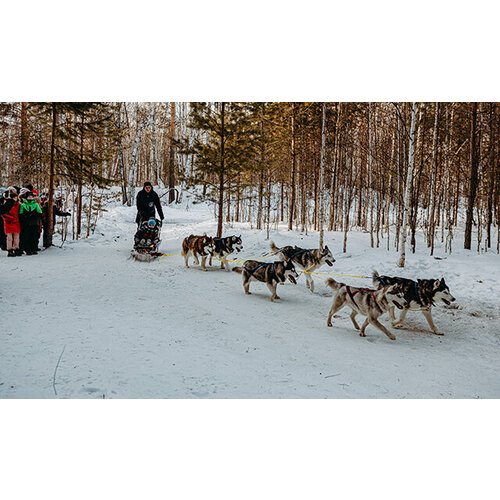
[147, 236]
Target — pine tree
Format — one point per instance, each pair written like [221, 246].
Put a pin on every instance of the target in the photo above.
[229, 130]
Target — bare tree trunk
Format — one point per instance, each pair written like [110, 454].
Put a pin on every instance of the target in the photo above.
[51, 175]
[7, 163]
[259, 206]
[24, 137]
[449, 208]
[474, 167]
[121, 163]
[89, 210]
[221, 176]
[80, 182]
[491, 187]
[409, 180]
[322, 177]
[291, 208]
[153, 146]
[269, 189]
[171, 163]
[370, 172]
[432, 202]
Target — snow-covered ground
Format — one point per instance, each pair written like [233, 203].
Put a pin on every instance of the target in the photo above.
[86, 321]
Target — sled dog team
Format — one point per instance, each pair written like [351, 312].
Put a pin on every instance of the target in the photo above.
[390, 291]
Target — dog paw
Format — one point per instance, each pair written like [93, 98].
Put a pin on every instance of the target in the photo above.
[362, 334]
[396, 325]
[438, 333]
[329, 323]
[392, 337]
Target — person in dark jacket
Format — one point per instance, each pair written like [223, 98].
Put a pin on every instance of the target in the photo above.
[146, 201]
[30, 214]
[56, 210]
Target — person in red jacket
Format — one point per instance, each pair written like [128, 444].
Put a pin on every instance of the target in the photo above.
[10, 212]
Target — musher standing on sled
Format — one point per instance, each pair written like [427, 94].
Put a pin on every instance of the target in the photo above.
[146, 201]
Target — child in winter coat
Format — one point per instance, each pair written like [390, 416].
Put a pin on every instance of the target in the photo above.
[10, 212]
[148, 235]
[30, 215]
[3, 238]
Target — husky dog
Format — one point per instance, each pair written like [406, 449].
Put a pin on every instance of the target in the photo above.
[421, 294]
[269, 273]
[307, 259]
[370, 303]
[224, 247]
[197, 245]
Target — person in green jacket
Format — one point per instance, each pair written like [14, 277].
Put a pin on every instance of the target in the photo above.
[30, 215]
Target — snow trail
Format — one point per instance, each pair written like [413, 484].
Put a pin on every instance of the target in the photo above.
[159, 330]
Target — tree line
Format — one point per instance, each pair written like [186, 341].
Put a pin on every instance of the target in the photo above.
[388, 168]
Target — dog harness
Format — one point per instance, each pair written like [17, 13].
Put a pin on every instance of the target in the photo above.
[300, 252]
[351, 294]
[223, 243]
[252, 271]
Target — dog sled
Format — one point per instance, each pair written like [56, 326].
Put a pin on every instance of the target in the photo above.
[147, 241]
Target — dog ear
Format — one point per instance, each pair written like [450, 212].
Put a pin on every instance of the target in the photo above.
[437, 283]
[442, 282]
[326, 248]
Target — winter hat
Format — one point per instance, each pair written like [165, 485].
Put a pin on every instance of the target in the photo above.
[152, 222]
[29, 187]
[11, 191]
[35, 192]
[23, 192]
[147, 183]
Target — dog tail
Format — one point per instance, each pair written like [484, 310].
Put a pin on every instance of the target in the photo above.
[334, 284]
[274, 248]
[237, 269]
[377, 282]
[185, 247]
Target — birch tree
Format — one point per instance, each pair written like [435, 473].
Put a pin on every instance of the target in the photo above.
[409, 182]
[322, 177]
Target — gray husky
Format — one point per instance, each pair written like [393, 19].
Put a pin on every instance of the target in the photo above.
[420, 295]
[307, 259]
[269, 273]
[370, 303]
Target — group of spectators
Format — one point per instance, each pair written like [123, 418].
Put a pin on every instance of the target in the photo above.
[25, 215]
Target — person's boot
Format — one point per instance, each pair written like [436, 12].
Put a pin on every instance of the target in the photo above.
[18, 252]
[11, 253]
